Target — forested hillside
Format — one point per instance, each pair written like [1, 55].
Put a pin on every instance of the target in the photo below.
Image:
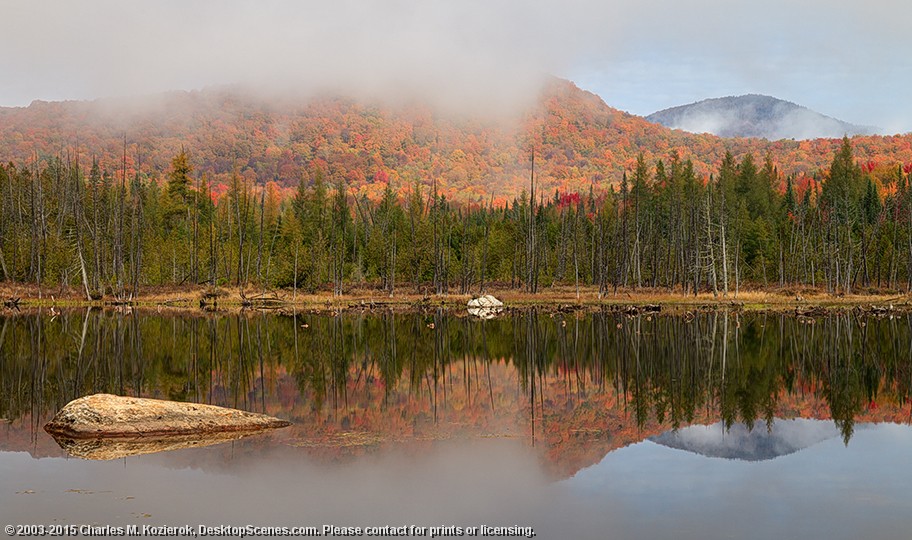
[578, 140]
[211, 188]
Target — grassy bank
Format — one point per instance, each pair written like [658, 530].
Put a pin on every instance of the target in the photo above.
[564, 297]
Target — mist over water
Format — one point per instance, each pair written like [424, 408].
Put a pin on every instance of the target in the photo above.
[449, 483]
[641, 491]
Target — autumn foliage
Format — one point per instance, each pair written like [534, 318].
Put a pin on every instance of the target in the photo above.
[578, 139]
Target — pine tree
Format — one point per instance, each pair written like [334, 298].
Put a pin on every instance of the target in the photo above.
[179, 178]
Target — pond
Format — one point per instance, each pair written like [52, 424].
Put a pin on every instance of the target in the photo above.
[590, 424]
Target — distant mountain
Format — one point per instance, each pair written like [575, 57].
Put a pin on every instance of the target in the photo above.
[755, 115]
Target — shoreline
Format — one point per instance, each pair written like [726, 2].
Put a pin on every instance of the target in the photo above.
[558, 298]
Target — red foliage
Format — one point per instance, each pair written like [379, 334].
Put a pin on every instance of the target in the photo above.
[568, 199]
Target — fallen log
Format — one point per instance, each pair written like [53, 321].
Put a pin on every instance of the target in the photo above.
[105, 415]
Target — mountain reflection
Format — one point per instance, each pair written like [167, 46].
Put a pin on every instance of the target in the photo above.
[782, 437]
[575, 385]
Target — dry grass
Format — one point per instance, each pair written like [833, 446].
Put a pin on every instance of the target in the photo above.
[407, 298]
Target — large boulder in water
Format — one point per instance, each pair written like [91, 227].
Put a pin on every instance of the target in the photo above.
[105, 415]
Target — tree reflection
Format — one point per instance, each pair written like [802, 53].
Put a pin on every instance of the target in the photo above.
[672, 370]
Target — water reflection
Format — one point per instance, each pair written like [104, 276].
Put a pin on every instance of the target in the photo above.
[645, 490]
[826, 491]
[106, 449]
[574, 385]
[780, 438]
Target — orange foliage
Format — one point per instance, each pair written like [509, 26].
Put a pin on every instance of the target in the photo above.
[578, 140]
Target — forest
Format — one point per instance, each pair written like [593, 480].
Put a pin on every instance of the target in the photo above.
[66, 224]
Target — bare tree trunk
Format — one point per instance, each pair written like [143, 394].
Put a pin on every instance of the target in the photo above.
[137, 226]
[392, 266]
[119, 243]
[294, 292]
[195, 257]
[709, 240]
[530, 255]
[724, 247]
[240, 223]
[260, 237]
[484, 254]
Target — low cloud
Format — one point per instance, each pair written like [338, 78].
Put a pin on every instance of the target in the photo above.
[470, 54]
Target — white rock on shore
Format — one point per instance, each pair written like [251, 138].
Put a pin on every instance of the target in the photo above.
[486, 301]
[485, 307]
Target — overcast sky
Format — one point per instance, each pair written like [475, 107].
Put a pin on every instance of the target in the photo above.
[848, 60]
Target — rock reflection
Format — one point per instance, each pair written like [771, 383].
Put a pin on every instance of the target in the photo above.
[108, 449]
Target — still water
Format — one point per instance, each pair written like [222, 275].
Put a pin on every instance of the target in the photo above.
[576, 425]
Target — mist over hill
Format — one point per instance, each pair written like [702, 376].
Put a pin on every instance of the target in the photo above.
[758, 116]
[579, 141]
